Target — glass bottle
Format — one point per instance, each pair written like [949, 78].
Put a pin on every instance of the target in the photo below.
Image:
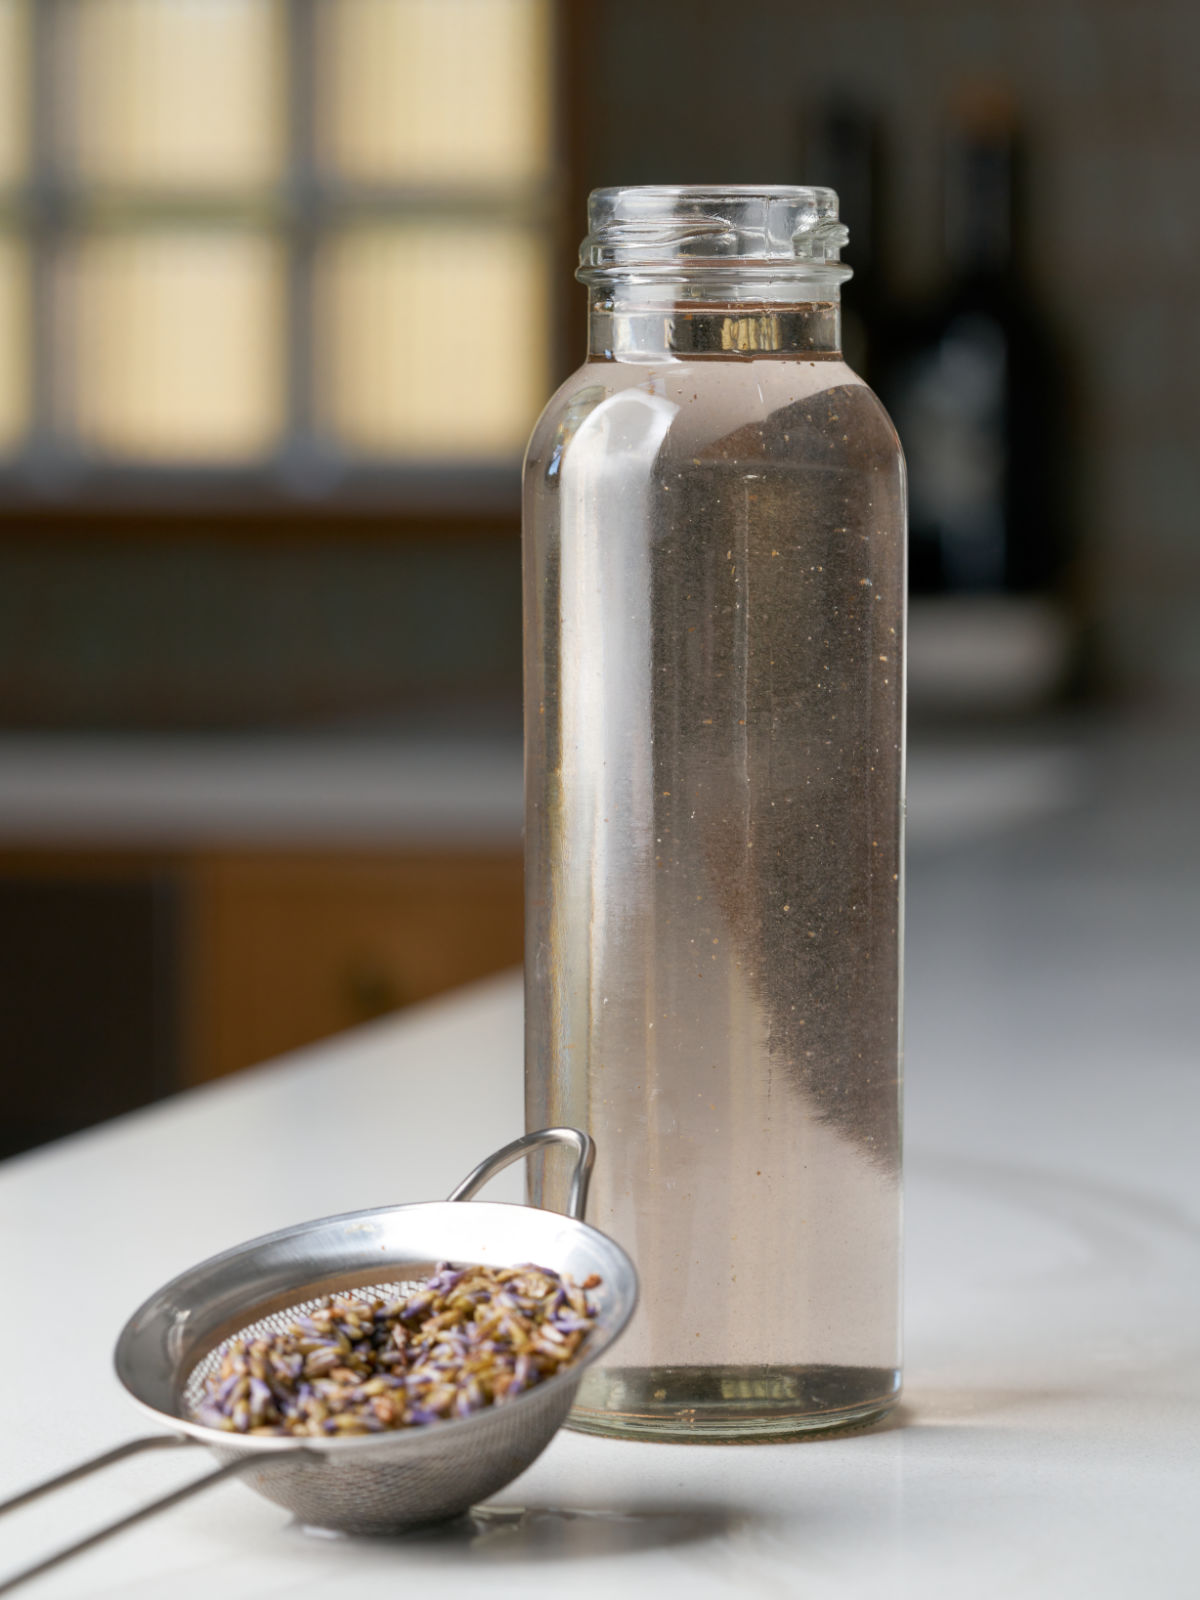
[714, 593]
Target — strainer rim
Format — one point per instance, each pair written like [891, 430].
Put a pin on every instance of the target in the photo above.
[391, 1440]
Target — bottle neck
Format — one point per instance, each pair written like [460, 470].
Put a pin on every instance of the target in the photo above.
[663, 322]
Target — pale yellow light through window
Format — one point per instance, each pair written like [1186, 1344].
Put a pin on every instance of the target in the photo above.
[435, 91]
[14, 98]
[178, 94]
[178, 348]
[14, 344]
[168, 339]
[432, 339]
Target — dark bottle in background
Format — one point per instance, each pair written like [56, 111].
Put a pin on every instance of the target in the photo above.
[842, 148]
[973, 382]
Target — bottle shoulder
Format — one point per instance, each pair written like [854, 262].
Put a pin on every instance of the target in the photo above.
[779, 408]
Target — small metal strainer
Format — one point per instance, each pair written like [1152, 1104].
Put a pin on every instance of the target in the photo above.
[374, 1483]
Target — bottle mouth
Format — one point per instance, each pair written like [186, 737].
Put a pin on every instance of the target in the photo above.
[750, 230]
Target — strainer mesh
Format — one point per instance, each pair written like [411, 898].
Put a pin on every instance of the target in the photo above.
[278, 1322]
[411, 1475]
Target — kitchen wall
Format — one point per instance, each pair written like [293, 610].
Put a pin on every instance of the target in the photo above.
[210, 632]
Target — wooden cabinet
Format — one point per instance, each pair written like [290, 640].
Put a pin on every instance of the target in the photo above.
[129, 975]
[291, 948]
[88, 1012]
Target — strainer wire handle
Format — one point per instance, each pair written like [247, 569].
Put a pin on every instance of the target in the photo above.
[131, 1447]
[163, 1503]
[585, 1158]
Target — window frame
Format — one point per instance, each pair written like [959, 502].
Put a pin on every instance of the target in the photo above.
[48, 489]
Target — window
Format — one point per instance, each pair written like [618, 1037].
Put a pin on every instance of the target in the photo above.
[302, 242]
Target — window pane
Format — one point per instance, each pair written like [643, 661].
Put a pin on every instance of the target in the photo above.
[434, 91]
[14, 102]
[14, 344]
[172, 346]
[174, 93]
[432, 338]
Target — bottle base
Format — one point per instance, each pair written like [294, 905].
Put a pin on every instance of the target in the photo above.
[732, 1404]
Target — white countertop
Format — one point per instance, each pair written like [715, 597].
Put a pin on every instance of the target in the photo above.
[1049, 1442]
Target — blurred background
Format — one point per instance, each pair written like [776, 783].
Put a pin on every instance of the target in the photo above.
[283, 285]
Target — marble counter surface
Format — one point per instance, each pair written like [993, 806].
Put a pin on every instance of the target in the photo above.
[1049, 1441]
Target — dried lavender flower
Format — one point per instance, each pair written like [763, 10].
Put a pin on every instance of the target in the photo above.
[466, 1339]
